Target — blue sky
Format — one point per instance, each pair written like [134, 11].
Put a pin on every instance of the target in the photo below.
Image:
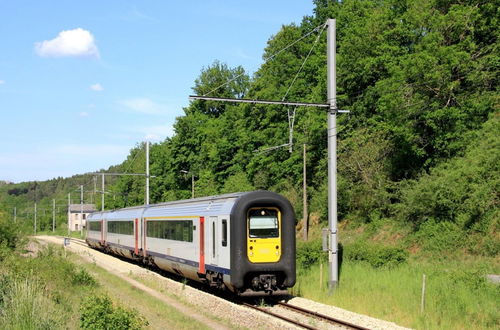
[82, 82]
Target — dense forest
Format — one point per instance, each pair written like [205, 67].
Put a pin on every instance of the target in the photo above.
[419, 149]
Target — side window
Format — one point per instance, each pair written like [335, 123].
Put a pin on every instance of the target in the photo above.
[224, 232]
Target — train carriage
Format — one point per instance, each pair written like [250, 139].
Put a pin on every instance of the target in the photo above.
[244, 242]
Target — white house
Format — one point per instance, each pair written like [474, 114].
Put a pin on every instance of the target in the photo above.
[77, 215]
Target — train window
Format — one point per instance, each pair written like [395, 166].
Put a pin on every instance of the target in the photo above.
[94, 226]
[224, 232]
[177, 230]
[121, 227]
[263, 223]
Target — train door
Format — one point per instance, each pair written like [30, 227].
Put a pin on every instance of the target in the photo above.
[213, 250]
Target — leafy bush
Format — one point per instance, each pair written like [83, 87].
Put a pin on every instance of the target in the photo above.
[9, 237]
[375, 254]
[98, 312]
[440, 236]
[82, 277]
[458, 198]
[309, 253]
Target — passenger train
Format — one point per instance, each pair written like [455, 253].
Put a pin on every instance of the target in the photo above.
[243, 242]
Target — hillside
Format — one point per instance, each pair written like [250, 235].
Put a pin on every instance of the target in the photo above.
[418, 149]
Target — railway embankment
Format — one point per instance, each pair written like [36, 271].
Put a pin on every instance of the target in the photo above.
[206, 308]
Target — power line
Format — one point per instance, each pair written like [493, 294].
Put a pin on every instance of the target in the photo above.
[268, 59]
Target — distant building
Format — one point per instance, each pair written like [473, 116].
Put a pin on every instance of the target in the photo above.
[78, 214]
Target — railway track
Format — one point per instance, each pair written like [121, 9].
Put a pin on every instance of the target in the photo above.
[295, 315]
[311, 316]
[78, 241]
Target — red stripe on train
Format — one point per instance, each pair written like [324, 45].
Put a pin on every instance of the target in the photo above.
[202, 245]
[136, 236]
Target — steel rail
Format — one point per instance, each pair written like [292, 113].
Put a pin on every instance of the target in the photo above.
[281, 317]
[322, 316]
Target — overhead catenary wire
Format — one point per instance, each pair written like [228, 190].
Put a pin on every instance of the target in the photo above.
[290, 113]
[269, 58]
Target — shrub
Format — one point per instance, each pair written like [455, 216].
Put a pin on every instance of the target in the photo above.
[9, 237]
[440, 236]
[375, 254]
[309, 253]
[82, 277]
[98, 312]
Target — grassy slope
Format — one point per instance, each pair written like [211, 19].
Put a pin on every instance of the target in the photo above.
[158, 314]
[46, 292]
[457, 294]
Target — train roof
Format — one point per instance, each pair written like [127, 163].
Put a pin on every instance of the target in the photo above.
[206, 206]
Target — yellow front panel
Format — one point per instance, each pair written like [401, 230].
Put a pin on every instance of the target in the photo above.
[264, 249]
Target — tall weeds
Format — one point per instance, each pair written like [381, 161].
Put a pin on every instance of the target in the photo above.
[24, 306]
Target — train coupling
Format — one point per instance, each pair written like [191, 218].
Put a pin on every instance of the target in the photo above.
[265, 282]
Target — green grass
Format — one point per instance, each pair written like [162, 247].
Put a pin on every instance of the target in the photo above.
[25, 306]
[43, 292]
[158, 314]
[61, 232]
[47, 291]
[457, 294]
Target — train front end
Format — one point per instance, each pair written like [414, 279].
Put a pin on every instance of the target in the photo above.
[263, 244]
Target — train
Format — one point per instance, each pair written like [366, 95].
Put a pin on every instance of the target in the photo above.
[241, 242]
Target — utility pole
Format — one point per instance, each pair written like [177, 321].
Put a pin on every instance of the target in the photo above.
[192, 185]
[192, 181]
[332, 153]
[95, 188]
[147, 173]
[53, 215]
[81, 210]
[69, 213]
[304, 198]
[35, 220]
[102, 193]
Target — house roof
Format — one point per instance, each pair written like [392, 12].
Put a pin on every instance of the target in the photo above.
[86, 208]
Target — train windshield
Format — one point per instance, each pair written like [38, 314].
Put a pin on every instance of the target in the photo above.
[263, 223]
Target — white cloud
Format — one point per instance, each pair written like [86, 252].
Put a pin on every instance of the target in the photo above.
[84, 114]
[96, 87]
[145, 106]
[2, 82]
[77, 42]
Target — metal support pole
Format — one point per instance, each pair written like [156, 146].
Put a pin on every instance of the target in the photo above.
[95, 189]
[304, 197]
[35, 220]
[15, 214]
[192, 185]
[102, 193]
[147, 173]
[81, 210]
[53, 215]
[332, 154]
[69, 213]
